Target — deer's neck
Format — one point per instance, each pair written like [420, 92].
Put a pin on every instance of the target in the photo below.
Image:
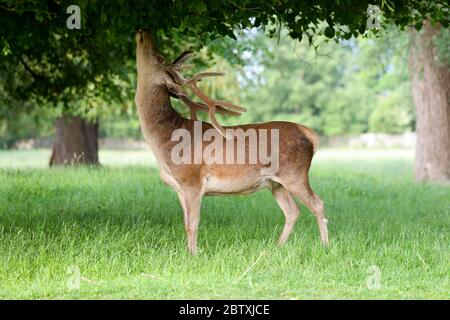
[157, 116]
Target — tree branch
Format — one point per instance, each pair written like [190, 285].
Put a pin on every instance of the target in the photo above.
[27, 67]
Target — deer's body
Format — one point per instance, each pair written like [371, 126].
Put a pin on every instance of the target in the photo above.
[158, 121]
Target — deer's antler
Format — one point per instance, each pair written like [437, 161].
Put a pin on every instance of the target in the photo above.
[212, 106]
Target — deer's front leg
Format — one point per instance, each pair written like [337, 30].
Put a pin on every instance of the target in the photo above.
[191, 203]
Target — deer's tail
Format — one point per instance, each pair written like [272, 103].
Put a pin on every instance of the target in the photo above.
[311, 136]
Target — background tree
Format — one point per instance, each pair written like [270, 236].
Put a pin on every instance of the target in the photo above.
[430, 79]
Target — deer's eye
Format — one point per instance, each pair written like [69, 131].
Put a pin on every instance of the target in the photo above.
[159, 58]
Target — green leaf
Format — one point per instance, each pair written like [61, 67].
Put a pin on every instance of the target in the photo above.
[231, 34]
[199, 7]
[39, 16]
[329, 32]
[184, 23]
[347, 35]
[418, 25]
[362, 29]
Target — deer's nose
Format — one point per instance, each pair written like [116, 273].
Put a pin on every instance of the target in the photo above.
[139, 35]
[142, 33]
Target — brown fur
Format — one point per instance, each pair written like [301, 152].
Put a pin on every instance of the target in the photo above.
[158, 120]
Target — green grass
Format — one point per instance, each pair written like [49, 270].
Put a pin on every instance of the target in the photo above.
[123, 229]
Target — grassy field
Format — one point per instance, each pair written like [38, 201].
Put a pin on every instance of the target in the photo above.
[117, 232]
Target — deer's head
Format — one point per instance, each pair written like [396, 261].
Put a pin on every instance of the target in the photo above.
[149, 61]
[152, 66]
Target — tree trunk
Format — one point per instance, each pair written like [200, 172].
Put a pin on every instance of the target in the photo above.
[430, 83]
[75, 142]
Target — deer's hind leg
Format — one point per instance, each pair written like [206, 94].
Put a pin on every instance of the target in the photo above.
[290, 210]
[301, 189]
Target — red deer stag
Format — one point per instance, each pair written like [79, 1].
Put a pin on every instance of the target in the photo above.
[157, 82]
